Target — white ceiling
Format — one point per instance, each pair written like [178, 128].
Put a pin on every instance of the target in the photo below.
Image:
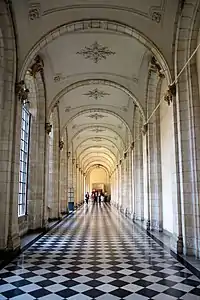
[98, 117]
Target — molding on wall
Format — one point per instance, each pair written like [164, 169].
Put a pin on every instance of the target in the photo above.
[154, 14]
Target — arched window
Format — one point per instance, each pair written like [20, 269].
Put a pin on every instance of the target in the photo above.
[24, 154]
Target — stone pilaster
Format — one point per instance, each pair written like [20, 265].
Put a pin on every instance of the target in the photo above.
[119, 185]
[10, 123]
[187, 124]
[153, 154]
[74, 175]
[130, 183]
[63, 177]
[138, 170]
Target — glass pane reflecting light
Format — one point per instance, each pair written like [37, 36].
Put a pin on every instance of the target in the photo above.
[23, 172]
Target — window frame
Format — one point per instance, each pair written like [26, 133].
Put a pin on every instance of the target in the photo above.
[24, 161]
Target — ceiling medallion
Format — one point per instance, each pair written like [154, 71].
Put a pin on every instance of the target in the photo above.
[96, 116]
[95, 52]
[97, 130]
[96, 94]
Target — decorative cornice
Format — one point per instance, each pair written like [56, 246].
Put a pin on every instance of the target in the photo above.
[95, 52]
[148, 15]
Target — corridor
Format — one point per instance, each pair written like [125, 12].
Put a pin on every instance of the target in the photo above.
[97, 254]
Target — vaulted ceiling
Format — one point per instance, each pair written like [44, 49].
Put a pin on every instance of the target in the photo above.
[96, 69]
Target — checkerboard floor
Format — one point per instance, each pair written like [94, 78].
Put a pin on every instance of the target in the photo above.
[97, 254]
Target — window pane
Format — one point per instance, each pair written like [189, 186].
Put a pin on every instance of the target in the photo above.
[23, 161]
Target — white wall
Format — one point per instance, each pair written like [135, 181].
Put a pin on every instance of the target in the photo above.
[167, 161]
[98, 176]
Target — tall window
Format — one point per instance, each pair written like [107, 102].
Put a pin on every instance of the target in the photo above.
[23, 175]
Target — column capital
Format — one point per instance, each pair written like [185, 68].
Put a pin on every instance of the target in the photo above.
[37, 66]
[61, 145]
[48, 127]
[170, 93]
[154, 66]
[21, 91]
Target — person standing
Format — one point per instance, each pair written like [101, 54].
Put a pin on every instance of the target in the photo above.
[87, 196]
[95, 197]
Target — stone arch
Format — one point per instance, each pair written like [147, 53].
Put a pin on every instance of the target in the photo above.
[89, 159]
[89, 154]
[96, 110]
[85, 82]
[186, 107]
[82, 130]
[104, 139]
[95, 147]
[94, 25]
[95, 163]
[93, 167]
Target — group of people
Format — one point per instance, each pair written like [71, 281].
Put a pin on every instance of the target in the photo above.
[97, 196]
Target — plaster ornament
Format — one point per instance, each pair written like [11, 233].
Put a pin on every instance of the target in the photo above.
[95, 52]
[96, 94]
[96, 116]
[156, 16]
[97, 130]
[34, 12]
[97, 139]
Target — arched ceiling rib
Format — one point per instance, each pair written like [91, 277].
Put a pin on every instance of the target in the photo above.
[97, 154]
[101, 141]
[92, 168]
[102, 151]
[98, 163]
[100, 158]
